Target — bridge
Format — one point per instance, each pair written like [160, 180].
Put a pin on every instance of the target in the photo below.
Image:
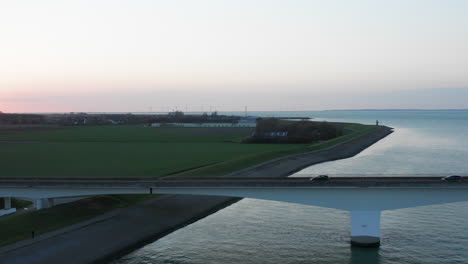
[364, 197]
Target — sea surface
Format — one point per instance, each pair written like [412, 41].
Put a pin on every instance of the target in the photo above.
[257, 231]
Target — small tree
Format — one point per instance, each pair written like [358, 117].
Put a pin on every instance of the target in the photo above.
[267, 125]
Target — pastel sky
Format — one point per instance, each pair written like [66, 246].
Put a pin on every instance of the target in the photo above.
[137, 55]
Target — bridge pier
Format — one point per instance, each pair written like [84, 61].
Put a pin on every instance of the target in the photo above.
[44, 203]
[39, 204]
[365, 228]
[7, 203]
[7, 207]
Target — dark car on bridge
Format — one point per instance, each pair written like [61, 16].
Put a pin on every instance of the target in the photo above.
[320, 178]
[452, 178]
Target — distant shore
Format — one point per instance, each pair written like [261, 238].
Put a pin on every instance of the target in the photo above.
[106, 240]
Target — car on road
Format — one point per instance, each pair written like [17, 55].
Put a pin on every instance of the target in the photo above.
[452, 178]
[320, 178]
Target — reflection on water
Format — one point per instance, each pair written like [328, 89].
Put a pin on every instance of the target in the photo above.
[365, 255]
[417, 147]
[255, 231]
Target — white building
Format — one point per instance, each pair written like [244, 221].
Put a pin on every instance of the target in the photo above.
[204, 124]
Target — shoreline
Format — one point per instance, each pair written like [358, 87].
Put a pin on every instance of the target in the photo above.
[174, 212]
[154, 237]
[287, 165]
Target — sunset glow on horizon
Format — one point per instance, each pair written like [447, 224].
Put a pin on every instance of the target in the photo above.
[132, 56]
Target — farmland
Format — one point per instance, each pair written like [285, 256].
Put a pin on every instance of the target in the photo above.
[137, 151]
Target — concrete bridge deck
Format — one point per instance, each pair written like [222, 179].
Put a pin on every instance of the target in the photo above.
[368, 181]
[364, 197]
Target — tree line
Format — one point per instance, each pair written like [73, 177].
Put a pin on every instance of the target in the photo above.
[274, 130]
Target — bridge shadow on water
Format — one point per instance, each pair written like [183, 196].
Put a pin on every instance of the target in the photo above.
[364, 255]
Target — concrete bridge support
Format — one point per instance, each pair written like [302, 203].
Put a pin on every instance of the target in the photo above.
[44, 203]
[39, 204]
[7, 201]
[365, 228]
[7, 207]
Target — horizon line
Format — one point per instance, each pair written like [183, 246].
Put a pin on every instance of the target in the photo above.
[243, 111]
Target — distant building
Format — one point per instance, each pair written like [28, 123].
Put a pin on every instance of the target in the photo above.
[217, 121]
[113, 122]
[204, 124]
[270, 134]
[248, 120]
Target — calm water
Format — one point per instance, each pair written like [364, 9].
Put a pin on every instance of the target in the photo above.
[255, 231]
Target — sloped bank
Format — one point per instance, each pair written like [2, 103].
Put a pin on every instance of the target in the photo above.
[133, 227]
[285, 166]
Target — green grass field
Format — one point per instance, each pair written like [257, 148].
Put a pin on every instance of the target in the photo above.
[137, 151]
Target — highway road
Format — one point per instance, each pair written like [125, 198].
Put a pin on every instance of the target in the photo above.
[355, 181]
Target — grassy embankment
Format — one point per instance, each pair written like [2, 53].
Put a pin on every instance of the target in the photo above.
[224, 167]
[136, 151]
[18, 227]
[126, 151]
